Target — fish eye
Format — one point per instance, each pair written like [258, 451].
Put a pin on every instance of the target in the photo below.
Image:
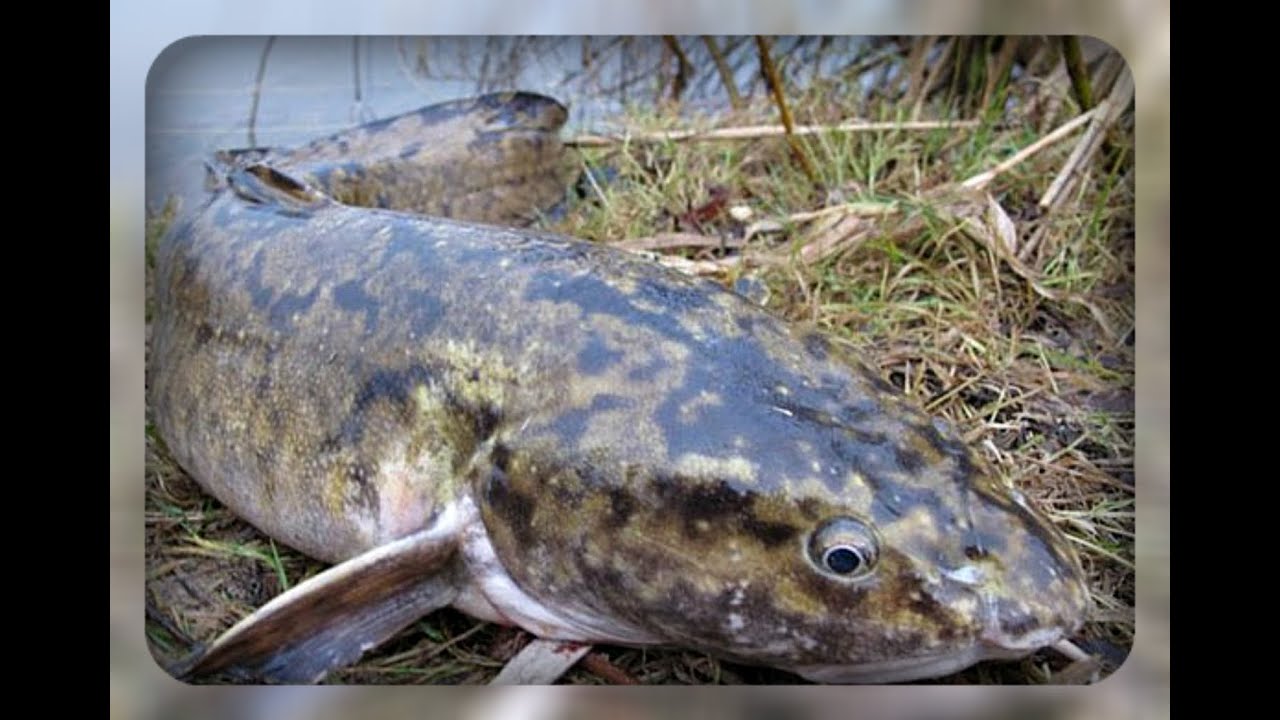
[844, 547]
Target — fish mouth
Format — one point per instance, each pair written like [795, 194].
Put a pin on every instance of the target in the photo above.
[1013, 629]
[1006, 632]
[992, 645]
[1000, 643]
[906, 669]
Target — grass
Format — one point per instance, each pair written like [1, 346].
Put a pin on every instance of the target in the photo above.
[1035, 382]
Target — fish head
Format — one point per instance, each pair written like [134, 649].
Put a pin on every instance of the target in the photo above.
[807, 517]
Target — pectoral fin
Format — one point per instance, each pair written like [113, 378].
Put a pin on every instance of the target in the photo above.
[263, 184]
[331, 619]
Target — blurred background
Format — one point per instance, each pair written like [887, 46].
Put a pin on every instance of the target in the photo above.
[171, 103]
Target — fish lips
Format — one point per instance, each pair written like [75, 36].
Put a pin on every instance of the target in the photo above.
[989, 647]
[1007, 632]
[1007, 628]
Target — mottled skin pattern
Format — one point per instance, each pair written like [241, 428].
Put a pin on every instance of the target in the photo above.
[652, 457]
[496, 159]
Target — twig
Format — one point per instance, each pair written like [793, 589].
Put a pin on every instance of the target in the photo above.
[856, 209]
[410, 74]
[483, 76]
[981, 179]
[359, 113]
[916, 61]
[726, 75]
[666, 241]
[751, 132]
[779, 97]
[932, 79]
[420, 654]
[599, 59]
[660, 86]
[541, 662]
[823, 43]
[809, 298]
[957, 57]
[1069, 649]
[1103, 115]
[1052, 197]
[1126, 563]
[1108, 70]
[355, 68]
[591, 178]
[627, 79]
[1047, 100]
[1003, 64]
[153, 613]
[868, 62]
[838, 235]
[683, 67]
[600, 665]
[516, 56]
[695, 267]
[1083, 669]
[1078, 71]
[257, 90]
[860, 209]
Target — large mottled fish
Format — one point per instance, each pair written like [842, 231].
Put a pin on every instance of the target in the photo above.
[549, 433]
[496, 158]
